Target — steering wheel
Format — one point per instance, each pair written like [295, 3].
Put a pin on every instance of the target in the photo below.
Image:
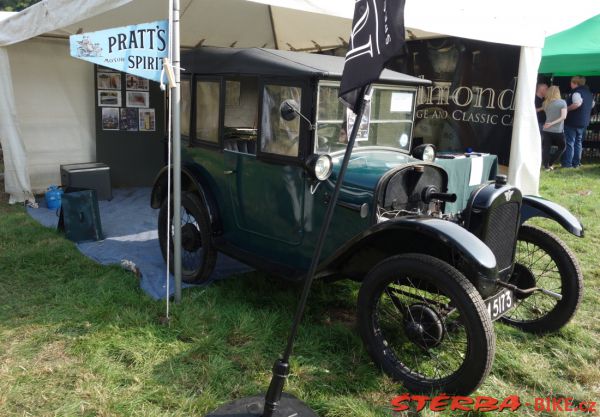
[323, 142]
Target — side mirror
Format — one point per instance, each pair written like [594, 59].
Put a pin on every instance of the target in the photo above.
[289, 110]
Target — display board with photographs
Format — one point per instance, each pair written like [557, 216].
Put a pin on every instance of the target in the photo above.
[124, 100]
[130, 126]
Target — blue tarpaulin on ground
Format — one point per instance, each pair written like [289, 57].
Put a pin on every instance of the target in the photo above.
[129, 226]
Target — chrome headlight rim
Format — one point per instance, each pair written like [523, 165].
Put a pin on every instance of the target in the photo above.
[320, 166]
[425, 152]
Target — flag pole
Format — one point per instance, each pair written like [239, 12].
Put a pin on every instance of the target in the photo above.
[281, 367]
[176, 118]
[272, 403]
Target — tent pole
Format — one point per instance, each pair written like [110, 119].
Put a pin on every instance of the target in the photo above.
[273, 27]
[176, 114]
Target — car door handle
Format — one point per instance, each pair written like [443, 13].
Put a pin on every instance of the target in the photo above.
[228, 172]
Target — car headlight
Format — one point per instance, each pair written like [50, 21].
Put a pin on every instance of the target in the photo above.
[320, 166]
[424, 152]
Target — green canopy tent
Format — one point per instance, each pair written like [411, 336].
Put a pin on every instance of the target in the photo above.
[575, 51]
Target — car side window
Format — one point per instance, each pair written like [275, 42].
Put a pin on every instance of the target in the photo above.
[241, 115]
[208, 95]
[279, 136]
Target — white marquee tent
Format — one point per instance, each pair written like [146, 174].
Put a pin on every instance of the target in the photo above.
[47, 103]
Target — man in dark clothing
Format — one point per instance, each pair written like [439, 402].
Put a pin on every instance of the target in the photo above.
[579, 105]
[540, 94]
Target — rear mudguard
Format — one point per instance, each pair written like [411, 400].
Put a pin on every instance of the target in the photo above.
[416, 234]
[539, 207]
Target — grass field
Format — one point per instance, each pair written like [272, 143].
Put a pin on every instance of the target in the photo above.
[80, 339]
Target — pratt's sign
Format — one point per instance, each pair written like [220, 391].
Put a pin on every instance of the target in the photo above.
[136, 49]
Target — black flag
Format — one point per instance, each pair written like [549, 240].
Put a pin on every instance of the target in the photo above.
[377, 36]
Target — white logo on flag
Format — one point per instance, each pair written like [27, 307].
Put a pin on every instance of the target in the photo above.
[361, 25]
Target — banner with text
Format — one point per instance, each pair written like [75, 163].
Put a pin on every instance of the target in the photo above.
[136, 49]
[471, 102]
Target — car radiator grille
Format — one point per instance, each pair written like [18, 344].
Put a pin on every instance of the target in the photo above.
[502, 233]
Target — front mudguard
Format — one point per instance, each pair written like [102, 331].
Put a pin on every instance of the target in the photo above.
[538, 207]
[418, 234]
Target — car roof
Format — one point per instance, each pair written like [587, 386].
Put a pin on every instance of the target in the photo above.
[271, 62]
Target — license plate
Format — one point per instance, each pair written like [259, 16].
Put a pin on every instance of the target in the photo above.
[499, 304]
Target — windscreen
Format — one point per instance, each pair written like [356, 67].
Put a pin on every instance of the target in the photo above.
[387, 121]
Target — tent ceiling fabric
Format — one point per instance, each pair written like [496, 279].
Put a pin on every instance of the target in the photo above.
[515, 22]
[248, 23]
[218, 23]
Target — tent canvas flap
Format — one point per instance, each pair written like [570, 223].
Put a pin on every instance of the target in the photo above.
[525, 154]
[16, 172]
[50, 15]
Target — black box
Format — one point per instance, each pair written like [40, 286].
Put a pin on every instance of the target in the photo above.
[92, 175]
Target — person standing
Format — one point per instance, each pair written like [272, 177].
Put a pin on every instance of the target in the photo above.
[540, 94]
[555, 110]
[579, 105]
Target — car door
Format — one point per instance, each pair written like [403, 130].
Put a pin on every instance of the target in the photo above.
[266, 181]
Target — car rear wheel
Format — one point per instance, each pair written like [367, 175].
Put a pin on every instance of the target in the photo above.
[198, 255]
[426, 325]
[544, 261]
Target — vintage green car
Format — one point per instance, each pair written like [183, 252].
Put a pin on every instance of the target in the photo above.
[437, 241]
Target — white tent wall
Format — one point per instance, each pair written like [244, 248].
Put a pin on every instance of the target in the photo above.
[55, 103]
[16, 172]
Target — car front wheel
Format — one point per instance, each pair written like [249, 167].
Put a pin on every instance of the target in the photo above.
[544, 261]
[426, 325]
[198, 255]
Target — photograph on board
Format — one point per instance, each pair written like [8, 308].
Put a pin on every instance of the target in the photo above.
[108, 81]
[136, 83]
[138, 99]
[110, 118]
[147, 120]
[129, 120]
[109, 98]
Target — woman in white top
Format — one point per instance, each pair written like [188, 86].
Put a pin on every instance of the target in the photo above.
[552, 134]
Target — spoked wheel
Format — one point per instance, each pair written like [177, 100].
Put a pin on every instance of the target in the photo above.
[544, 261]
[198, 256]
[426, 325]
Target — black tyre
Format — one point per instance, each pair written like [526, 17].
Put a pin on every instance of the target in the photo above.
[426, 325]
[542, 260]
[198, 256]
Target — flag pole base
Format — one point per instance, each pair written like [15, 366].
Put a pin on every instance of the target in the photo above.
[289, 406]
